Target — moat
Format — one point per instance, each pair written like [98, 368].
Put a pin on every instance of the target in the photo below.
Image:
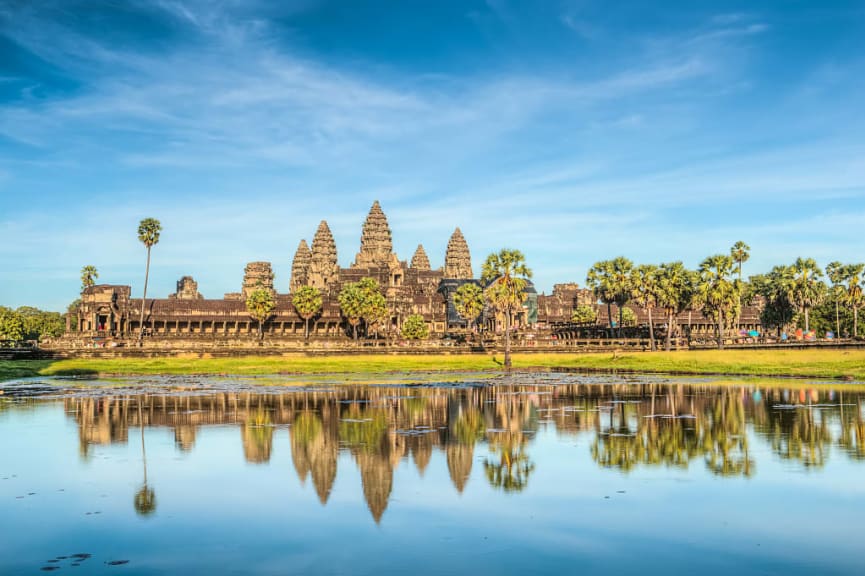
[530, 473]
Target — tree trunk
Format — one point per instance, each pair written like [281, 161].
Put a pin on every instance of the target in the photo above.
[621, 318]
[356, 341]
[306, 329]
[855, 321]
[144, 299]
[720, 335]
[508, 340]
[610, 317]
[669, 331]
[837, 321]
[807, 324]
[651, 331]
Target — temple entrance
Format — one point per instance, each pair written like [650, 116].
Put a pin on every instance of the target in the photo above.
[102, 321]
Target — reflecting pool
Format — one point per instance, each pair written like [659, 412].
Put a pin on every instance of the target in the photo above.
[532, 473]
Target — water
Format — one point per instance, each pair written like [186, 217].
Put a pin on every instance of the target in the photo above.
[530, 474]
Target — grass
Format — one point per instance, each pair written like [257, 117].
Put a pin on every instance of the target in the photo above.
[848, 364]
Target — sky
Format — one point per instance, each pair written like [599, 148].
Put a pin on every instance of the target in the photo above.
[573, 130]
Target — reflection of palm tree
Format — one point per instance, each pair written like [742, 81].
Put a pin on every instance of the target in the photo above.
[511, 472]
[145, 498]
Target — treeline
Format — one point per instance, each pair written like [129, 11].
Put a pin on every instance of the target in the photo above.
[28, 323]
[791, 296]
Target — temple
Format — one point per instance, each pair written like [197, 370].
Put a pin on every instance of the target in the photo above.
[414, 287]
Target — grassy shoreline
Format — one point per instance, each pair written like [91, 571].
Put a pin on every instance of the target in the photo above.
[821, 364]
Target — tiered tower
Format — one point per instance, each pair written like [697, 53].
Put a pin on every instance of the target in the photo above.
[376, 244]
[187, 289]
[458, 259]
[300, 267]
[257, 275]
[323, 266]
[420, 261]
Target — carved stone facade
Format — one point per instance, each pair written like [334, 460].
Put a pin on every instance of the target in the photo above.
[323, 266]
[187, 289]
[420, 261]
[257, 275]
[300, 266]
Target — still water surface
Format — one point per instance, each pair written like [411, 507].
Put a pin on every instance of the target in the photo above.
[526, 474]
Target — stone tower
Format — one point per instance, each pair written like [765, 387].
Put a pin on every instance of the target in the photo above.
[300, 267]
[255, 275]
[376, 245]
[458, 260]
[420, 261]
[187, 289]
[323, 266]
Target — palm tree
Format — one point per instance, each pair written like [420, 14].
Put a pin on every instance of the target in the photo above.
[675, 293]
[89, 274]
[351, 303]
[808, 290]
[148, 234]
[506, 276]
[717, 293]
[836, 272]
[776, 288]
[611, 282]
[740, 252]
[469, 302]
[307, 301]
[853, 275]
[644, 282]
[260, 304]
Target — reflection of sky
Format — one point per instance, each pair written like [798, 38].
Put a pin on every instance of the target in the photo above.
[216, 513]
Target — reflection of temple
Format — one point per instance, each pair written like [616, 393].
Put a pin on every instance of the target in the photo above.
[629, 426]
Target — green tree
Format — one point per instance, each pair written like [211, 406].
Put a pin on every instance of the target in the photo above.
[776, 288]
[628, 316]
[260, 305]
[644, 283]
[808, 290]
[740, 253]
[676, 286]
[584, 314]
[414, 327]
[469, 302]
[853, 275]
[373, 310]
[307, 301]
[89, 274]
[506, 275]
[718, 293]
[39, 324]
[836, 273]
[610, 281]
[11, 325]
[148, 234]
[351, 302]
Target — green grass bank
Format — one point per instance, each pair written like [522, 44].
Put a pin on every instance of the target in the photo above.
[846, 364]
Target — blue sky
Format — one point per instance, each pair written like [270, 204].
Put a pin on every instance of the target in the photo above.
[573, 130]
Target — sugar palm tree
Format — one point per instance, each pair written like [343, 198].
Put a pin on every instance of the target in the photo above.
[307, 301]
[148, 234]
[351, 303]
[611, 282]
[644, 284]
[89, 274]
[260, 305]
[600, 279]
[808, 290]
[506, 275]
[854, 298]
[740, 252]
[469, 302]
[676, 285]
[836, 272]
[717, 292]
[145, 498]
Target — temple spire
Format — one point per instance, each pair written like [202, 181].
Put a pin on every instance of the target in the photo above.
[458, 259]
[376, 245]
[323, 266]
[300, 266]
[420, 261]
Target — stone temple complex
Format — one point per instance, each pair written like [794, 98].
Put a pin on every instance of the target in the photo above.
[410, 287]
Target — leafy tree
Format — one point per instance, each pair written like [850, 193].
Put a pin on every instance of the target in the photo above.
[307, 301]
[148, 234]
[89, 274]
[629, 318]
[374, 310]
[645, 289]
[776, 288]
[854, 299]
[506, 275]
[740, 253]
[11, 325]
[610, 281]
[717, 293]
[836, 273]
[260, 305]
[584, 314]
[351, 302]
[38, 324]
[414, 328]
[469, 302]
[676, 287]
[807, 289]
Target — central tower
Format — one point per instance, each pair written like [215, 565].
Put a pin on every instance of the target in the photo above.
[376, 245]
